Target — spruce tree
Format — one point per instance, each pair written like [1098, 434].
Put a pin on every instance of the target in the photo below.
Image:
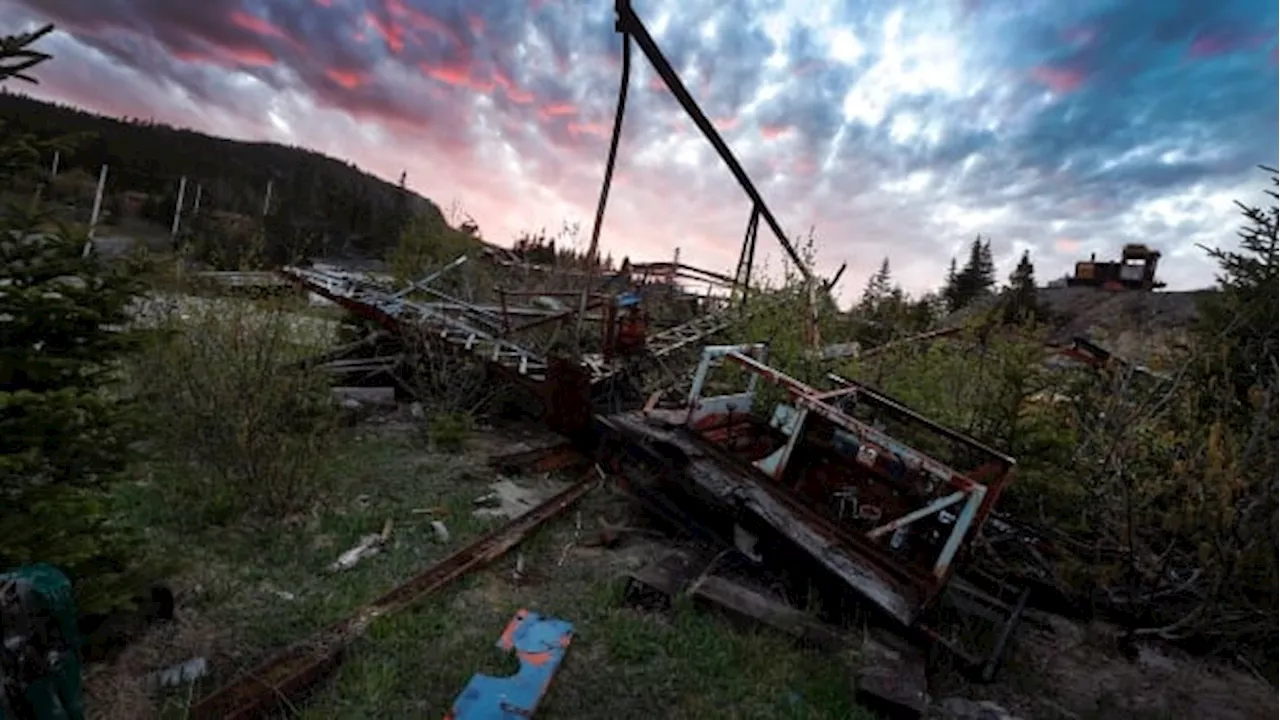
[1020, 299]
[879, 286]
[65, 433]
[951, 289]
[1239, 321]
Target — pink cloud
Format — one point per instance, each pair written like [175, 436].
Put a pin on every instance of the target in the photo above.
[554, 110]
[349, 79]
[773, 132]
[1212, 43]
[598, 129]
[1066, 246]
[457, 74]
[513, 93]
[257, 25]
[230, 58]
[392, 34]
[1059, 80]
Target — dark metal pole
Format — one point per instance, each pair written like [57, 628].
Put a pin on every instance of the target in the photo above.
[629, 23]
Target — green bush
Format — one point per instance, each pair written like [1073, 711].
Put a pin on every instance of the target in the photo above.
[226, 396]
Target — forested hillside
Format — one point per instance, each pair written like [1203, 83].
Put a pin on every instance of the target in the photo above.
[318, 204]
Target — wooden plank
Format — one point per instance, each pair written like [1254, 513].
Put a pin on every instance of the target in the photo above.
[892, 678]
[749, 604]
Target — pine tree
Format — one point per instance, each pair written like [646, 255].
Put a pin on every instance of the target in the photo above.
[879, 287]
[978, 276]
[951, 289]
[1020, 299]
[1239, 321]
[65, 432]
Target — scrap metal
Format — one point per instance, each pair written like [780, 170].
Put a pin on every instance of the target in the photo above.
[540, 644]
[887, 519]
[292, 670]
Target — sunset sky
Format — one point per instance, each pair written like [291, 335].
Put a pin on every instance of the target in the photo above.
[894, 129]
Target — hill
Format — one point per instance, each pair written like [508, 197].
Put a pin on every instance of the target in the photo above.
[319, 204]
[1136, 325]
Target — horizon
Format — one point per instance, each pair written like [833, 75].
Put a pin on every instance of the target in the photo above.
[1102, 125]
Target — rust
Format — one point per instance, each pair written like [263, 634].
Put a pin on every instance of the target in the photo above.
[287, 673]
[545, 459]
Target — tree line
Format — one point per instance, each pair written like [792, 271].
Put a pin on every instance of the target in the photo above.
[886, 310]
[320, 205]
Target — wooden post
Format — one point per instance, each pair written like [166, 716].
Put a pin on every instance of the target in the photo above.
[266, 201]
[97, 202]
[57, 157]
[195, 207]
[177, 210]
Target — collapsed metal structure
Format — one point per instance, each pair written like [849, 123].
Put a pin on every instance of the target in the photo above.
[843, 483]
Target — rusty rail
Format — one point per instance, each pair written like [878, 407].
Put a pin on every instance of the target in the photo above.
[289, 672]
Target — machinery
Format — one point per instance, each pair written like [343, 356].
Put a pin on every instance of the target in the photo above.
[40, 670]
[1135, 271]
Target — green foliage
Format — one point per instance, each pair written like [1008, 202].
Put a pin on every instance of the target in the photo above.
[1020, 301]
[225, 394]
[320, 205]
[975, 280]
[65, 434]
[428, 242]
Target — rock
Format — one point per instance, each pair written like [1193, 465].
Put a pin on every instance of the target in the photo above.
[385, 396]
[958, 708]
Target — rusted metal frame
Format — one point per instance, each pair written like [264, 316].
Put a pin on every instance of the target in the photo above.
[424, 282]
[688, 272]
[294, 669]
[970, 492]
[746, 258]
[506, 318]
[630, 24]
[805, 398]
[554, 318]
[551, 294]
[545, 459]
[390, 312]
[885, 401]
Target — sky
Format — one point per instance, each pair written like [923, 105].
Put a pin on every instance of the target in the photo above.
[885, 129]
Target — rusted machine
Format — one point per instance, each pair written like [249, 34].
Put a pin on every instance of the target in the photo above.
[1135, 271]
[823, 480]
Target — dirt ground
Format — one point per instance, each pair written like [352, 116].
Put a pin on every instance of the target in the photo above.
[248, 589]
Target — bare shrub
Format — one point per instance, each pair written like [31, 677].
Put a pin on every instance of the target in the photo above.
[451, 386]
[225, 397]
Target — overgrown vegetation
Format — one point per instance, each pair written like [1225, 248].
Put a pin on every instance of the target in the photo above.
[65, 433]
[319, 205]
[224, 392]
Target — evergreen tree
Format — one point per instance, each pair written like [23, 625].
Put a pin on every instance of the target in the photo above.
[1239, 321]
[879, 287]
[978, 276]
[64, 431]
[1020, 299]
[951, 288]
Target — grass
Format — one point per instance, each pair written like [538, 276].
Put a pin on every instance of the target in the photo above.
[622, 664]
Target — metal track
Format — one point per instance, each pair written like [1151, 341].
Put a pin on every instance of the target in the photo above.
[464, 326]
[283, 676]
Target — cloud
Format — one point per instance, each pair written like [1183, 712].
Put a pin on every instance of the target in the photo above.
[891, 130]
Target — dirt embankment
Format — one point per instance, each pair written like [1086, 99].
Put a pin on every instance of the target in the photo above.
[1137, 325]
[1130, 323]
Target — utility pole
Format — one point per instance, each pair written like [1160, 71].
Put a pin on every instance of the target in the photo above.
[97, 208]
[97, 201]
[177, 210]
